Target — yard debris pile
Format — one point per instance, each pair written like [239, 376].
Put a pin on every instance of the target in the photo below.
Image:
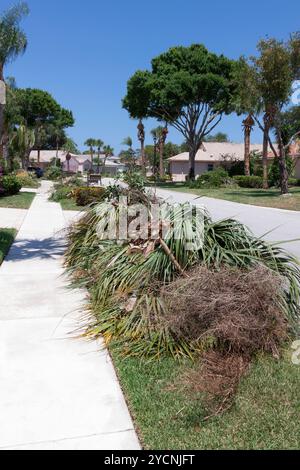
[235, 314]
[223, 299]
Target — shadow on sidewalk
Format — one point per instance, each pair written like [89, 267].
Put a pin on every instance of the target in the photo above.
[48, 248]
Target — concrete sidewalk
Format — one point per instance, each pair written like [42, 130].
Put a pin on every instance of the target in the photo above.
[56, 392]
[11, 218]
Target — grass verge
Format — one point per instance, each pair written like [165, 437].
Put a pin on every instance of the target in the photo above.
[7, 236]
[70, 205]
[257, 197]
[18, 201]
[266, 414]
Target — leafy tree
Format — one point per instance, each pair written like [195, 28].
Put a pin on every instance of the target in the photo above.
[13, 42]
[219, 137]
[189, 88]
[266, 85]
[290, 124]
[41, 112]
[70, 146]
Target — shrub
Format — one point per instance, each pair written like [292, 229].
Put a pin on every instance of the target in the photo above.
[27, 180]
[61, 192]
[10, 185]
[294, 182]
[249, 181]
[53, 173]
[86, 196]
[274, 172]
[135, 180]
[212, 179]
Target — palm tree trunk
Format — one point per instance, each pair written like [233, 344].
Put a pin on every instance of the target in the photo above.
[247, 151]
[161, 160]
[265, 152]
[248, 124]
[143, 156]
[284, 175]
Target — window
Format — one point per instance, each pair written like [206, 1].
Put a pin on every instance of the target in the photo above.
[210, 167]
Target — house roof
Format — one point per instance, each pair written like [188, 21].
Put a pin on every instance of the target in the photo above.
[47, 155]
[215, 152]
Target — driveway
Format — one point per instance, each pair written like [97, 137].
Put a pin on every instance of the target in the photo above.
[285, 225]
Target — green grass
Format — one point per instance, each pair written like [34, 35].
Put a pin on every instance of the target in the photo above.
[68, 204]
[257, 197]
[7, 236]
[266, 414]
[18, 201]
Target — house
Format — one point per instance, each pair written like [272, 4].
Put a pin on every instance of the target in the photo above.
[76, 163]
[213, 154]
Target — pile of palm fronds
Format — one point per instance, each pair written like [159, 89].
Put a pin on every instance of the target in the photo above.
[124, 278]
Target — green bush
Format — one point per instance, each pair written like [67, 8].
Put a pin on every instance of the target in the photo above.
[274, 172]
[10, 185]
[249, 181]
[27, 180]
[86, 196]
[212, 179]
[61, 192]
[53, 173]
[135, 180]
[294, 182]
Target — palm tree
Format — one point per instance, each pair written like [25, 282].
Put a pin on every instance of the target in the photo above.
[99, 144]
[128, 142]
[248, 124]
[141, 137]
[91, 143]
[160, 136]
[22, 143]
[13, 42]
[108, 152]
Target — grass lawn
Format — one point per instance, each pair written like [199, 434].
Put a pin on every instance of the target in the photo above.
[7, 236]
[257, 197]
[70, 205]
[18, 201]
[266, 414]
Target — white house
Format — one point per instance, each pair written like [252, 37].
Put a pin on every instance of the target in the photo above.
[212, 154]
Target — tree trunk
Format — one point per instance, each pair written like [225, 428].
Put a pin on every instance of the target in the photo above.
[265, 152]
[1, 128]
[1, 114]
[284, 176]
[248, 124]
[143, 156]
[39, 156]
[161, 160]
[247, 152]
[192, 160]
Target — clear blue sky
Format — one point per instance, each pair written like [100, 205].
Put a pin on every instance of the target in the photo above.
[83, 52]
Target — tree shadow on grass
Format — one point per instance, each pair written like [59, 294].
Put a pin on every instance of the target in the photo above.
[256, 194]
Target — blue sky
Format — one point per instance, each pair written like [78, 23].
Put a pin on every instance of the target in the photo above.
[83, 52]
